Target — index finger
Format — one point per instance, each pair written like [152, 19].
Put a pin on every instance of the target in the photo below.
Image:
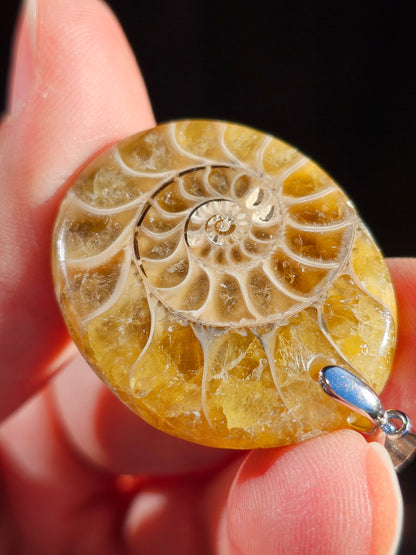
[400, 392]
[72, 64]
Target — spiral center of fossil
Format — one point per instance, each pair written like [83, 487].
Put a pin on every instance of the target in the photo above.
[223, 225]
[222, 222]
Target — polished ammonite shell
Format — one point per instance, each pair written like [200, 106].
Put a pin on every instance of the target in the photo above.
[208, 271]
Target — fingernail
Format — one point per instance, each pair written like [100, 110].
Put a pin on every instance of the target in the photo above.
[387, 501]
[23, 57]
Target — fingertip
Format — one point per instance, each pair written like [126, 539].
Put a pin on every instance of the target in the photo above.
[400, 391]
[403, 274]
[74, 89]
[319, 496]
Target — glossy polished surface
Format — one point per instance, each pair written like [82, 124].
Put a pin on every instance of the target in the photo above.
[208, 271]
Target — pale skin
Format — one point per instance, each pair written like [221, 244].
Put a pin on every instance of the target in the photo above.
[80, 472]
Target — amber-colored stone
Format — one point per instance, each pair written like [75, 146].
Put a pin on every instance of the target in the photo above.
[208, 271]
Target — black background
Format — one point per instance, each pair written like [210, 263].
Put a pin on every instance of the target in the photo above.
[335, 79]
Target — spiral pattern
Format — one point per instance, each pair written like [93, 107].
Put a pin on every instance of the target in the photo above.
[207, 271]
[226, 241]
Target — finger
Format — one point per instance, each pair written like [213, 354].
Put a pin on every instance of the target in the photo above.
[335, 494]
[55, 501]
[400, 392]
[161, 521]
[75, 88]
[110, 435]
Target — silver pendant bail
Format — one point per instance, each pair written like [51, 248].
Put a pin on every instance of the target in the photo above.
[351, 391]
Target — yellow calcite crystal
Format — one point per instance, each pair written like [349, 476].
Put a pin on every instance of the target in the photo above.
[208, 271]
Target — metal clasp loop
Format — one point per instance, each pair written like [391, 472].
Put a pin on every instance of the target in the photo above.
[351, 391]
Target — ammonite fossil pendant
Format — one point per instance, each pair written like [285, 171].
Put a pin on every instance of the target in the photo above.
[208, 272]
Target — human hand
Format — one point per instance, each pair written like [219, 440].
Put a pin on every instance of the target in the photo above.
[80, 472]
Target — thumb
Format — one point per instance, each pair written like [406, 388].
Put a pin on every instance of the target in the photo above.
[334, 494]
[74, 89]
